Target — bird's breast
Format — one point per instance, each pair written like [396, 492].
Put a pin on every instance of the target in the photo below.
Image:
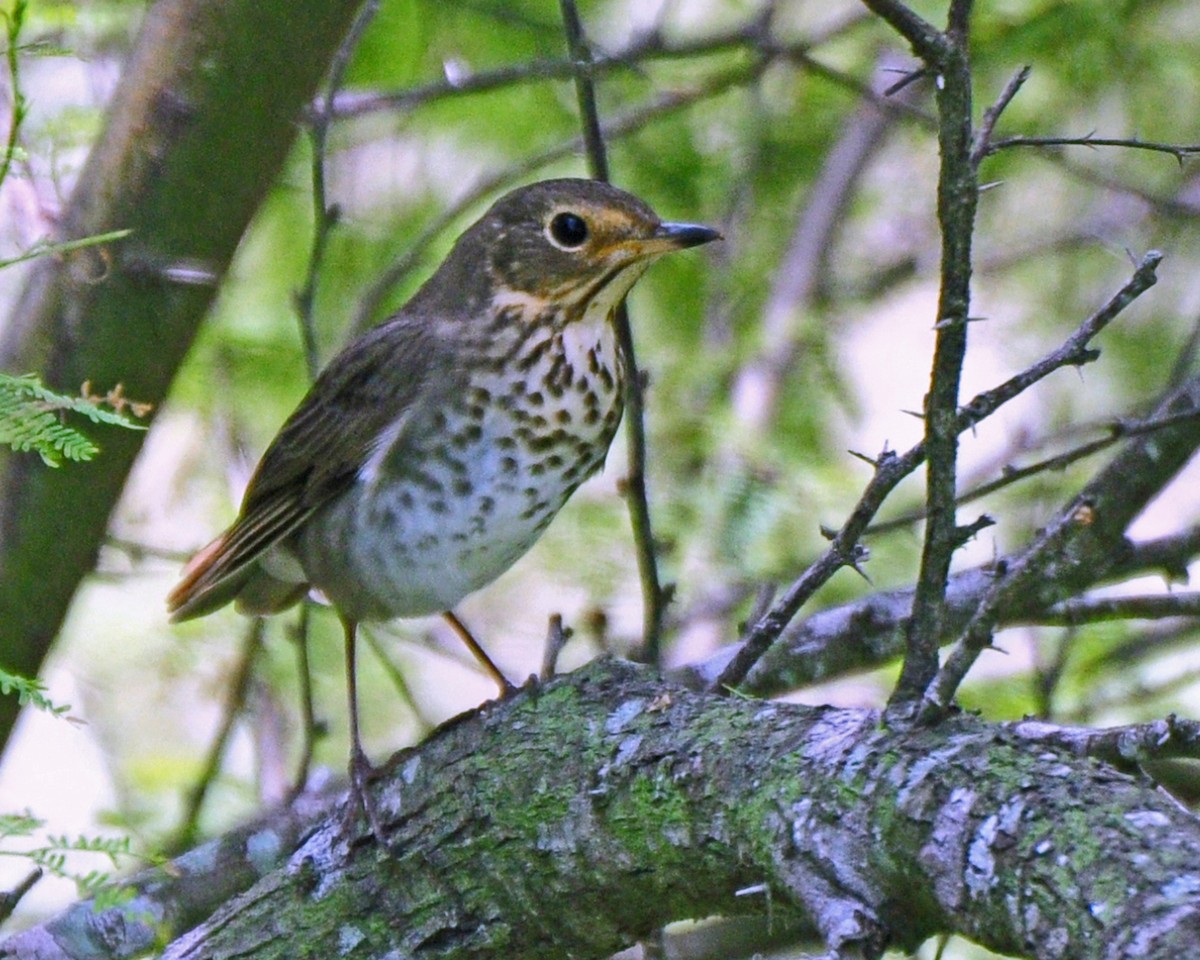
[469, 485]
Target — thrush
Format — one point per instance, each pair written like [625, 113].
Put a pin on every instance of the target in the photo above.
[432, 452]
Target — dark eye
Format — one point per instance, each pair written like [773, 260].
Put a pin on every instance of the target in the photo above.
[569, 230]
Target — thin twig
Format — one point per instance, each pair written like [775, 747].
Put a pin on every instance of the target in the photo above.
[11, 898]
[325, 216]
[983, 136]
[189, 823]
[1179, 151]
[311, 729]
[1117, 431]
[556, 638]
[633, 487]
[399, 681]
[652, 45]
[14, 21]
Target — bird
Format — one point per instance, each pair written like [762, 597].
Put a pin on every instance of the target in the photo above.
[432, 452]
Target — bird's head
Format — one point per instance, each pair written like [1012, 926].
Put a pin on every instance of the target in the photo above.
[570, 244]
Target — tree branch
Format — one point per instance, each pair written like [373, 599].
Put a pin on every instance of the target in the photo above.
[869, 632]
[958, 194]
[827, 812]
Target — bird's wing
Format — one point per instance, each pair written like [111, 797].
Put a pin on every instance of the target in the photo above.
[355, 405]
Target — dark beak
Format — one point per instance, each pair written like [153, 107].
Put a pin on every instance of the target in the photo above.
[680, 236]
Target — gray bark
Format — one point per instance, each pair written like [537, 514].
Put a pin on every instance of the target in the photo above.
[575, 818]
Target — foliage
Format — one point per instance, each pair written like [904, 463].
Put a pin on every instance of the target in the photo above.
[55, 855]
[30, 692]
[30, 418]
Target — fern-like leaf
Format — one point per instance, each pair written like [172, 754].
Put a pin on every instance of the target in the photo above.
[31, 419]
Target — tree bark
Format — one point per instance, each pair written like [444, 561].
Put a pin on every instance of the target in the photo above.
[572, 819]
[197, 132]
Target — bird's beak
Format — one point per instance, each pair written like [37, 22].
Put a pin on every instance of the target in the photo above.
[680, 236]
[667, 237]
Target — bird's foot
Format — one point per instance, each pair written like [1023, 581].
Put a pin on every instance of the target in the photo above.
[361, 799]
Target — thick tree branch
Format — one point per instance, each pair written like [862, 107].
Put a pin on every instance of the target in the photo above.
[565, 821]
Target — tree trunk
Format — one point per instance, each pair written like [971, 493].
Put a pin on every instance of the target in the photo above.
[197, 132]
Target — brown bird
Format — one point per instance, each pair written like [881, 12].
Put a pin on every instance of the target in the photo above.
[431, 453]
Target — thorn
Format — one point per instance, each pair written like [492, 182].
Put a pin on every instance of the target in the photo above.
[913, 413]
[909, 77]
[991, 185]
[864, 458]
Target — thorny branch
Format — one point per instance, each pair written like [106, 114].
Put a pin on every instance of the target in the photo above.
[957, 196]
[1118, 430]
[1179, 151]
[891, 468]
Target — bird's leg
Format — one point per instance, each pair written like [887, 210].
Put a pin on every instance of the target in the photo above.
[506, 688]
[360, 767]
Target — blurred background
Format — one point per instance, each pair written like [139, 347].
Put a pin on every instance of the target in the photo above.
[806, 335]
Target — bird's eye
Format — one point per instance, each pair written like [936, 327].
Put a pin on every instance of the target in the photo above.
[569, 230]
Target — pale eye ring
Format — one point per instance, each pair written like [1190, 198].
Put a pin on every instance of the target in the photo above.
[568, 230]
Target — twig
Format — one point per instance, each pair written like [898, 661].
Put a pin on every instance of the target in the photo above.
[1117, 431]
[185, 833]
[983, 136]
[11, 898]
[325, 216]
[633, 487]
[399, 681]
[556, 638]
[14, 20]
[1179, 151]
[311, 728]
[652, 45]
